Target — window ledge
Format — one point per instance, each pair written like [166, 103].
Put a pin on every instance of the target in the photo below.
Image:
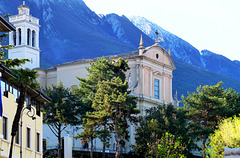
[5, 140]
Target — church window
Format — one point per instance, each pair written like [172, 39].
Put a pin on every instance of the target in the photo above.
[157, 56]
[156, 88]
[14, 38]
[19, 36]
[28, 36]
[33, 38]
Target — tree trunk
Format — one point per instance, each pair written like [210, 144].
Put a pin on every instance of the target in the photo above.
[203, 146]
[10, 154]
[117, 155]
[204, 137]
[91, 151]
[104, 143]
[17, 118]
[59, 143]
[104, 146]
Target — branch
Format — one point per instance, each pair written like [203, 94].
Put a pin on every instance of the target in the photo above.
[56, 128]
[63, 128]
[55, 124]
[52, 130]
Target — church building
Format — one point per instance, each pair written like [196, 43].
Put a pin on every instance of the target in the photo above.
[25, 38]
[149, 78]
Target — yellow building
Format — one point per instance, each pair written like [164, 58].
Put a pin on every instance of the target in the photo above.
[31, 126]
[31, 134]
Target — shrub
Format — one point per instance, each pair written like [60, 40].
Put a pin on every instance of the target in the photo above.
[168, 146]
[227, 135]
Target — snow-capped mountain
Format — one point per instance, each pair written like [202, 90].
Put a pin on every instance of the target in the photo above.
[180, 49]
[71, 31]
[185, 52]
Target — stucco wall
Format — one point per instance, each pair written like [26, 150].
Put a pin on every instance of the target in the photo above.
[9, 110]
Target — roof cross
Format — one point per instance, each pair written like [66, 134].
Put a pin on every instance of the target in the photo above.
[156, 36]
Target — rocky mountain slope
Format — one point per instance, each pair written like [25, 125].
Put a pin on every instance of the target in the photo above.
[185, 52]
[71, 31]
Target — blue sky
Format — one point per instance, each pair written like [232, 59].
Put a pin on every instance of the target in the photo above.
[206, 24]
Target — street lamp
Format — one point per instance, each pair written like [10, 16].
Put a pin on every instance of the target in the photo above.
[30, 114]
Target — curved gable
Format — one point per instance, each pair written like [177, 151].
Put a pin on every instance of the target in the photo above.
[159, 54]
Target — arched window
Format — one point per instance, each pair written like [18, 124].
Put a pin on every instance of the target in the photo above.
[20, 36]
[14, 38]
[33, 38]
[28, 36]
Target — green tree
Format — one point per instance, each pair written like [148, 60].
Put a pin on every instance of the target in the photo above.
[105, 78]
[62, 111]
[159, 120]
[89, 132]
[115, 103]
[168, 146]
[25, 78]
[207, 107]
[227, 135]
[11, 63]
[104, 135]
[98, 71]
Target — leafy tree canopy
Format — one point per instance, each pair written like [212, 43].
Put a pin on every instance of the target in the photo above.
[64, 109]
[168, 146]
[159, 120]
[227, 135]
[208, 106]
[106, 92]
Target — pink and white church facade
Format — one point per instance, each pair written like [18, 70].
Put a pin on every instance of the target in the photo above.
[149, 78]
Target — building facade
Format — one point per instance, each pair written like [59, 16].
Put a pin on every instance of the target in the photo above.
[30, 133]
[5, 26]
[149, 78]
[29, 136]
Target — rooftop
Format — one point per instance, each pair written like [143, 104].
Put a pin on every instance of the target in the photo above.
[5, 25]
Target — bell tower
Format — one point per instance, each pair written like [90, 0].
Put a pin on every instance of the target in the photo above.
[25, 38]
